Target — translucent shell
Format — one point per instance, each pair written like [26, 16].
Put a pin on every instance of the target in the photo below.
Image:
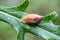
[32, 19]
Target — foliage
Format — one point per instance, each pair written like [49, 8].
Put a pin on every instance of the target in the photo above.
[45, 29]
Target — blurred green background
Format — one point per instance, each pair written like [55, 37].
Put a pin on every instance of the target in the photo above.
[42, 7]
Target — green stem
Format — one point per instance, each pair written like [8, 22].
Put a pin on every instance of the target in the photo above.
[33, 29]
[50, 27]
[21, 34]
[9, 19]
[45, 25]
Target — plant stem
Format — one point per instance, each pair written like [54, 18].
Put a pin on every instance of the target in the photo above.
[33, 29]
[21, 34]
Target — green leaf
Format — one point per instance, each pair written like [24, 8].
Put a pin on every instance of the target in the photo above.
[51, 17]
[23, 6]
[16, 11]
[32, 29]
[12, 21]
[12, 11]
[47, 23]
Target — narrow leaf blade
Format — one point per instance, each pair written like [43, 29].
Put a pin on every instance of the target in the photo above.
[23, 6]
[51, 17]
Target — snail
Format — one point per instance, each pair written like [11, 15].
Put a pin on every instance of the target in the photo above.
[32, 19]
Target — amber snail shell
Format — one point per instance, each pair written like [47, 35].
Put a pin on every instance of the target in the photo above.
[32, 19]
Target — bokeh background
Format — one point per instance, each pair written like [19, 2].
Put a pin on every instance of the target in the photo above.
[41, 7]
